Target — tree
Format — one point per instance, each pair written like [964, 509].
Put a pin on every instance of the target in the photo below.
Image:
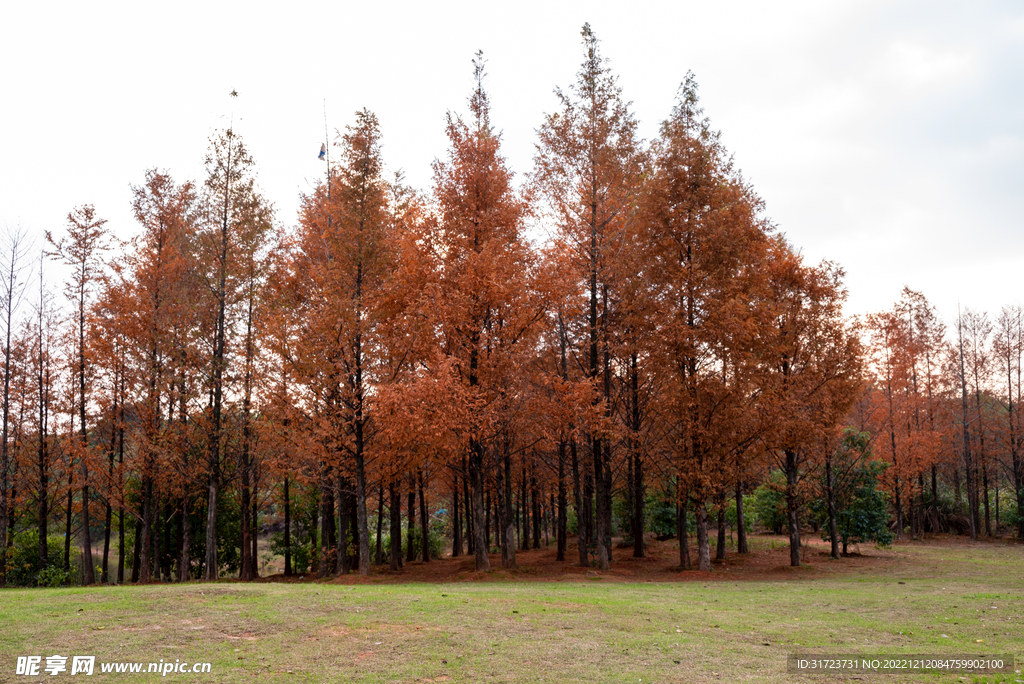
[12, 291]
[82, 250]
[229, 199]
[488, 306]
[152, 304]
[346, 259]
[588, 168]
[812, 370]
[855, 510]
[708, 250]
[1008, 348]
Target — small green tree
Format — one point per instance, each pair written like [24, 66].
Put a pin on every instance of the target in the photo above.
[859, 507]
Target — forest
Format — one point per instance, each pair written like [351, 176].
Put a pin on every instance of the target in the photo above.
[618, 343]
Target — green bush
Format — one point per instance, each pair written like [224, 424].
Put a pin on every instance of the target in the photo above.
[24, 570]
[767, 505]
[301, 547]
[861, 508]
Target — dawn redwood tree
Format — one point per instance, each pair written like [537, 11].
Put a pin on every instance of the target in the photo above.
[588, 168]
[708, 249]
[229, 197]
[487, 307]
[149, 304]
[813, 368]
[926, 337]
[81, 250]
[12, 291]
[1008, 349]
[345, 259]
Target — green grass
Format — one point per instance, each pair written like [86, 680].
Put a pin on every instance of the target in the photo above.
[933, 600]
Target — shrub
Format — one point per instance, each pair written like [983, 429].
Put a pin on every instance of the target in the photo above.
[24, 570]
[301, 548]
[768, 503]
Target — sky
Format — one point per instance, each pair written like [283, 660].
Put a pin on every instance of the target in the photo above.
[886, 136]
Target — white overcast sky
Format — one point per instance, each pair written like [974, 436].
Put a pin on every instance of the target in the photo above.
[886, 136]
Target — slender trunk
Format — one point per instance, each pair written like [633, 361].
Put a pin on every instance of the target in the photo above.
[109, 516]
[120, 544]
[681, 532]
[741, 522]
[560, 525]
[287, 529]
[536, 509]
[792, 507]
[395, 530]
[456, 520]
[245, 571]
[424, 518]
[185, 557]
[720, 542]
[703, 546]
[379, 557]
[67, 523]
[581, 522]
[362, 523]
[972, 503]
[984, 481]
[470, 524]
[508, 542]
[327, 539]
[831, 501]
[210, 565]
[179, 545]
[410, 551]
[137, 551]
[480, 523]
[343, 567]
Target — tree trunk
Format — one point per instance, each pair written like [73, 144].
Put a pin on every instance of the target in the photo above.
[536, 509]
[185, 558]
[287, 529]
[137, 551]
[379, 557]
[480, 523]
[560, 525]
[456, 519]
[581, 527]
[703, 547]
[508, 541]
[424, 518]
[361, 519]
[741, 522]
[681, 532]
[211, 564]
[410, 552]
[831, 501]
[720, 542]
[792, 507]
[395, 530]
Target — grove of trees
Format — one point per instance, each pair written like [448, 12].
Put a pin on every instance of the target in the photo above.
[619, 343]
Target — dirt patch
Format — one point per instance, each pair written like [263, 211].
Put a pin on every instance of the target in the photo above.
[768, 560]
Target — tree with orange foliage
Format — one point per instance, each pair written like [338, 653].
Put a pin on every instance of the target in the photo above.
[487, 306]
[344, 263]
[1008, 348]
[81, 249]
[588, 167]
[12, 290]
[707, 243]
[151, 306]
[812, 371]
[926, 336]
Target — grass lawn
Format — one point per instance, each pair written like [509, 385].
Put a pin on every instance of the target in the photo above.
[928, 599]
